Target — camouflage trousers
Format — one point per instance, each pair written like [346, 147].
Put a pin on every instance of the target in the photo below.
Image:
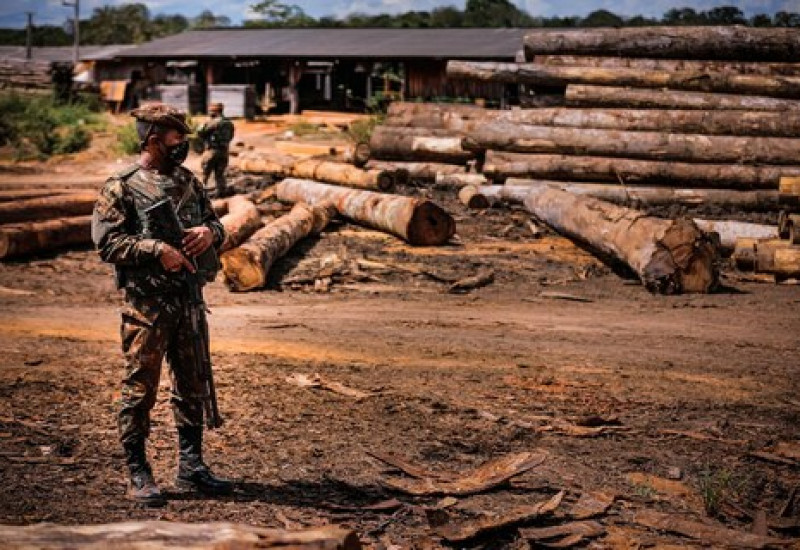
[215, 161]
[152, 328]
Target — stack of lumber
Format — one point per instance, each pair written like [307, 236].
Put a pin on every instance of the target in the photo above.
[24, 73]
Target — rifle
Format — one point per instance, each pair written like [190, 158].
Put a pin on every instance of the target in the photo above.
[161, 222]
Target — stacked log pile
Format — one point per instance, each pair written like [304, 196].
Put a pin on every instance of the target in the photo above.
[27, 74]
[654, 117]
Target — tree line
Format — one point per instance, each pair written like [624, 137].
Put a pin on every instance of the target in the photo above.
[133, 23]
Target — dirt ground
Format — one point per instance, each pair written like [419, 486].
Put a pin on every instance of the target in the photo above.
[684, 404]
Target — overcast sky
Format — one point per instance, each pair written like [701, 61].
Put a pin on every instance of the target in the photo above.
[12, 12]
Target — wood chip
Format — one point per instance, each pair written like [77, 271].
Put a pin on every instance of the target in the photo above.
[587, 529]
[488, 476]
[592, 504]
[316, 381]
[565, 296]
[470, 529]
[478, 280]
[706, 533]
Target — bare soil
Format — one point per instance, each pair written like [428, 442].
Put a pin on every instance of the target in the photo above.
[694, 385]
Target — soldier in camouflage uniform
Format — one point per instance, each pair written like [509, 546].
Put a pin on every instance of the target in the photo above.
[217, 135]
[154, 318]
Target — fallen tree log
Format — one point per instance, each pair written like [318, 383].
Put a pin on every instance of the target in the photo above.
[247, 266]
[728, 231]
[732, 123]
[10, 195]
[578, 95]
[242, 220]
[669, 256]
[340, 173]
[634, 197]
[39, 209]
[34, 237]
[536, 74]
[417, 145]
[458, 181]
[343, 174]
[644, 64]
[644, 145]
[274, 163]
[500, 166]
[145, 535]
[471, 197]
[417, 221]
[425, 171]
[712, 42]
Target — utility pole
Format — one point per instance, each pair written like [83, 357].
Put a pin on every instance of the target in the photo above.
[76, 23]
[29, 35]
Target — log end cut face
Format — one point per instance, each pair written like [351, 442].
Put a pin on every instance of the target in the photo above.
[430, 225]
[686, 260]
[242, 270]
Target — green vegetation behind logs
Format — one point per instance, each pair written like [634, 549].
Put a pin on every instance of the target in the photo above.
[361, 130]
[38, 126]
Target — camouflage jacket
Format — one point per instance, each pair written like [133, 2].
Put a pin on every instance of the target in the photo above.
[119, 233]
[217, 133]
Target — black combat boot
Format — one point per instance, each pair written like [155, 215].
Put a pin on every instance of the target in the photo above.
[143, 488]
[193, 473]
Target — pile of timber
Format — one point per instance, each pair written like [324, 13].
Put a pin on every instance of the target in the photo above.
[24, 73]
[280, 165]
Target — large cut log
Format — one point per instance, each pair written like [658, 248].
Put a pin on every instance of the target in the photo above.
[247, 266]
[242, 220]
[516, 190]
[146, 535]
[275, 163]
[34, 237]
[579, 95]
[38, 209]
[724, 199]
[417, 171]
[777, 257]
[417, 221]
[643, 64]
[407, 144]
[10, 195]
[536, 74]
[669, 256]
[732, 123]
[645, 145]
[340, 173]
[719, 42]
[500, 165]
[343, 174]
[457, 181]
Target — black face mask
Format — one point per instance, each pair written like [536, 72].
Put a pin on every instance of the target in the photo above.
[176, 154]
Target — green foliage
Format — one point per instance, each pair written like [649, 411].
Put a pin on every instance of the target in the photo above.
[717, 485]
[127, 139]
[303, 128]
[361, 130]
[37, 126]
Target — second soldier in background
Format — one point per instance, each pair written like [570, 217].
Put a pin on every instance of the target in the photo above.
[217, 135]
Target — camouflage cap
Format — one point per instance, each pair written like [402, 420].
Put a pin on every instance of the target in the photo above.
[215, 108]
[163, 115]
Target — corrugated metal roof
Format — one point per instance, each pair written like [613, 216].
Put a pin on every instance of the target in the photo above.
[57, 54]
[472, 43]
